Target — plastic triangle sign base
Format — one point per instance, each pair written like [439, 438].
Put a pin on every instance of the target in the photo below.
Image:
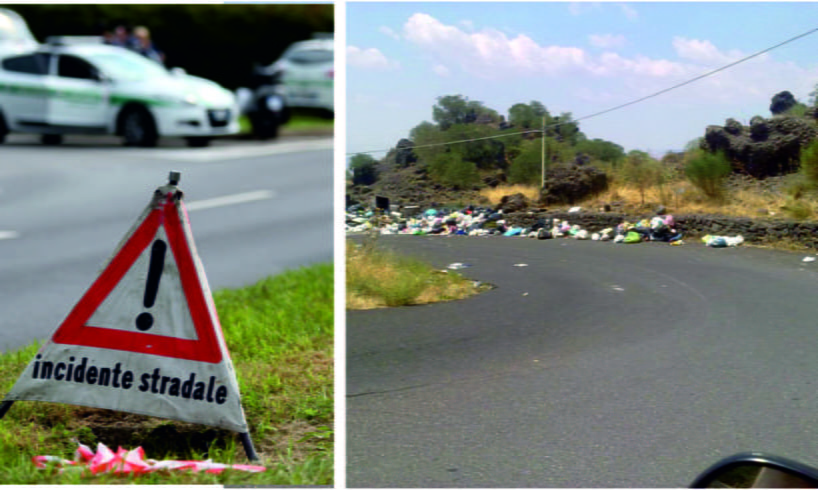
[145, 338]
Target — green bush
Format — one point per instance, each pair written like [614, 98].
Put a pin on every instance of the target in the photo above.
[364, 170]
[642, 171]
[798, 110]
[526, 168]
[809, 163]
[708, 171]
[451, 170]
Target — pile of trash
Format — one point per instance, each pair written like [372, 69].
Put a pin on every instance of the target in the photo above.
[480, 221]
[476, 221]
[124, 461]
[472, 221]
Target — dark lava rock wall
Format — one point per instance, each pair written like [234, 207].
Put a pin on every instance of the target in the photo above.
[765, 148]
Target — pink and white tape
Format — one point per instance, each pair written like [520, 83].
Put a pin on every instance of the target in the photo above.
[124, 461]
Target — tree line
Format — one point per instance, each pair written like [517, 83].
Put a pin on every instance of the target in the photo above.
[511, 145]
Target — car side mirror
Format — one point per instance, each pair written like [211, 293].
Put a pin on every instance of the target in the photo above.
[757, 470]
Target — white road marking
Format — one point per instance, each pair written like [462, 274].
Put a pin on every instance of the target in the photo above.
[218, 153]
[617, 288]
[8, 234]
[229, 200]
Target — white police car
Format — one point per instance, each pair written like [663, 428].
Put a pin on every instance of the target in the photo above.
[306, 71]
[55, 90]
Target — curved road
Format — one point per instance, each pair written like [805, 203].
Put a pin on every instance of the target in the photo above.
[255, 210]
[596, 365]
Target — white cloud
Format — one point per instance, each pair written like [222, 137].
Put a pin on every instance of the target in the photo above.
[491, 54]
[369, 58]
[441, 70]
[579, 8]
[629, 11]
[389, 32]
[703, 51]
[488, 50]
[607, 41]
[467, 24]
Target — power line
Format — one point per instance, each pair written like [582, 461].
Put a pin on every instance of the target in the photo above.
[470, 140]
[698, 77]
[621, 106]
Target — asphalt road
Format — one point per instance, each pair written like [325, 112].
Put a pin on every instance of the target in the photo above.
[256, 209]
[596, 365]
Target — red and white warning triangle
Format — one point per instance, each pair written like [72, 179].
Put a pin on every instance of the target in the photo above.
[145, 338]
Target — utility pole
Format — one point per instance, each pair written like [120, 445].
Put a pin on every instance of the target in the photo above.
[542, 183]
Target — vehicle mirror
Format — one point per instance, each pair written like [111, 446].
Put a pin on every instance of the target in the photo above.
[755, 470]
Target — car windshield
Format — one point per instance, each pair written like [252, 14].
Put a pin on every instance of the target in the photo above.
[306, 56]
[127, 66]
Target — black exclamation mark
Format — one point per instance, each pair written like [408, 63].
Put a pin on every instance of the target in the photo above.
[145, 320]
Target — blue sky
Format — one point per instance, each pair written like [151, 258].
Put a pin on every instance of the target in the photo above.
[578, 57]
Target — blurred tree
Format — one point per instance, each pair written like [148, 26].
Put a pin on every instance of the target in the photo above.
[642, 171]
[564, 129]
[484, 153]
[427, 133]
[528, 116]
[526, 168]
[601, 150]
[218, 42]
[450, 169]
[457, 109]
[364, 170]
[708, 171]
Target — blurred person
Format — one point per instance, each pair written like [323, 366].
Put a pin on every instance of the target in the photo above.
[144, 46]
[107, 34]
[119, 37]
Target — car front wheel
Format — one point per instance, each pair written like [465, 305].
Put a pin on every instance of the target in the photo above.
[138, 128]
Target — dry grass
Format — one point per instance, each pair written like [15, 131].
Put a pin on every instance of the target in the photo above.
[786, 244]
[379, 279]
[496, 194]
[681, 197]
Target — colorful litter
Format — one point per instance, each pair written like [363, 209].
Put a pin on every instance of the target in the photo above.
[475, 221]
[124, 461]
[457, 266]
[722, 241]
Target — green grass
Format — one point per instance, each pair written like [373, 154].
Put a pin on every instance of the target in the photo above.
[299, 121]
[280, 336]
[378, 278]
[303, 120]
